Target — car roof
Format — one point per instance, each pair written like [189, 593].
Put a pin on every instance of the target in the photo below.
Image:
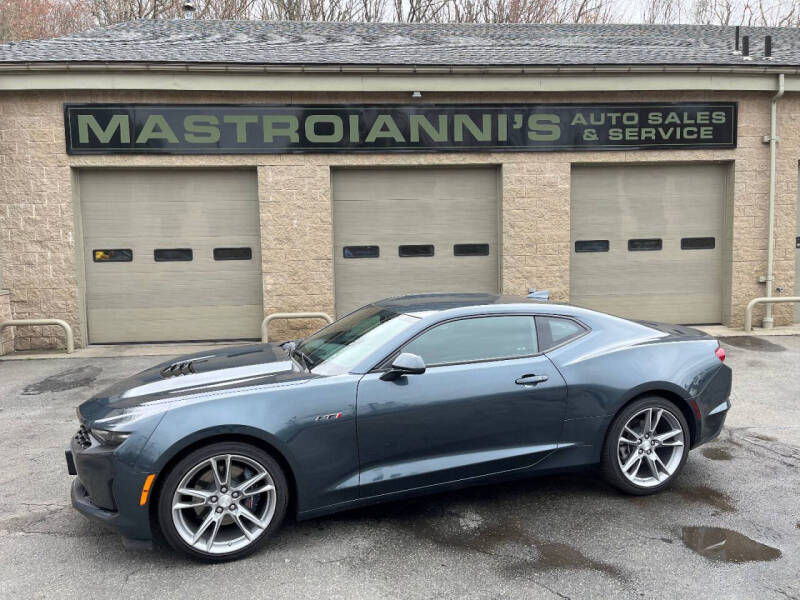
[470, 303]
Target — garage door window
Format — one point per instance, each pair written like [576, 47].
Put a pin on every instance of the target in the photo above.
[233, 253]
[698, 243]
[112, 255]
[361, 252]
[644, 245]
[415, 250]
[475, 340]
[471, 250]
[591, 246]
[172, 254]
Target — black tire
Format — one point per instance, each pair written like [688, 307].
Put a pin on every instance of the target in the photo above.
[167, 491]
[610, 463]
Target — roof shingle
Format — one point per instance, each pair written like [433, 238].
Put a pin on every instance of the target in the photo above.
[313, 43]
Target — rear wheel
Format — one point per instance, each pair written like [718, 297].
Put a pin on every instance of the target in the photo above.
[646, 446]
[222, 502]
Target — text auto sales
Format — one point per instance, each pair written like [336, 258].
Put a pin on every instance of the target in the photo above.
[223, 129]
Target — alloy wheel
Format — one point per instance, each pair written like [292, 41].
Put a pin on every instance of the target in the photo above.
[223, 504]
[650, 447]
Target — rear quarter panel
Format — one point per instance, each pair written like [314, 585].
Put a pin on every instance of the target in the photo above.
[619, 361]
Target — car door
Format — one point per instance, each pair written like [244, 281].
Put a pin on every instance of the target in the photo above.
[487, 402]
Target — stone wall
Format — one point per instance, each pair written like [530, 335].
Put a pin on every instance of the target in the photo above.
[37, 236]
[7, 335]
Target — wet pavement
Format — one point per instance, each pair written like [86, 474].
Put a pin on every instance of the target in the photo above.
[729, 528]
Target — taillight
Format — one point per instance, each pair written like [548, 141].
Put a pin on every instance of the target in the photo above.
[720, 352]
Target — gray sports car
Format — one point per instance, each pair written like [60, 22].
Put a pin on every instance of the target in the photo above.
[405, 396]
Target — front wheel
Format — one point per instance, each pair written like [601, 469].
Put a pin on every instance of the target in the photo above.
[646, 446]
[222, 502]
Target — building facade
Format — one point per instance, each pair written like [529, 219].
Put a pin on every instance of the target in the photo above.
[148, 197]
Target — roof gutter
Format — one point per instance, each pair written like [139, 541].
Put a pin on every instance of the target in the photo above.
[12, 67]
[391, 79]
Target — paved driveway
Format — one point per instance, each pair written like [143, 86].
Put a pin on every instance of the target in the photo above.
[564, 536]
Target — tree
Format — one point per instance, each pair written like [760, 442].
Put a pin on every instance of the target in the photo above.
[34, 19]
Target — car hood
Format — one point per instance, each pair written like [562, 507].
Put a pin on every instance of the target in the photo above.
[214, 371]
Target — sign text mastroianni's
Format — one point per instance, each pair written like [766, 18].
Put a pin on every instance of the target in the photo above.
[254, 129]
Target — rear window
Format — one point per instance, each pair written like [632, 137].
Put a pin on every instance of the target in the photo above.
[554, 331]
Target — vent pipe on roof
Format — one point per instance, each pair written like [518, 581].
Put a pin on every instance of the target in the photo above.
[736, 42]
[746, 47]
[188, 9]
[768, 46]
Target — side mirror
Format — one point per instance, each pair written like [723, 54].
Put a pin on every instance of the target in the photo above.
[405, 364]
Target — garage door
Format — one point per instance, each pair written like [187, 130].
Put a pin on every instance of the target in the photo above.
[647, 241]
[171, 255]
[405, 231]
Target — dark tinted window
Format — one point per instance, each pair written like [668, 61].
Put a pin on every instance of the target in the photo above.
[698, 243]
[644, 244]
[360, 252]
[591, 246]
[482, 338]
[471, 250]
[233, 253]
[172, 254]
[555, 330]
[113, 255]
[411, 250]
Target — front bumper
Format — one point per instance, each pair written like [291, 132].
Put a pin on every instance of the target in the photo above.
[107, 490]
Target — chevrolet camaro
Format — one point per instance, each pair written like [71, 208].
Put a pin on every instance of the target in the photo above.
[405, 396]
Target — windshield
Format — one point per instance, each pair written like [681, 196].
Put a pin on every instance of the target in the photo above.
[340, 346]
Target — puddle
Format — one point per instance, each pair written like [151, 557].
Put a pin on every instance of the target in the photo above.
[717, 454]
[520, 552]
[762, 437]
[66, 380]
[749, 342]
[726, 545]
[706, 495]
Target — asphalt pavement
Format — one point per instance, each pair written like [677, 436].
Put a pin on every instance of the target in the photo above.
[729, 528]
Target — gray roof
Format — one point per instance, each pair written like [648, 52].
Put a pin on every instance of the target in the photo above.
[311, 43]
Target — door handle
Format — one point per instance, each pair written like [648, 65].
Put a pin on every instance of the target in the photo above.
[531, 379]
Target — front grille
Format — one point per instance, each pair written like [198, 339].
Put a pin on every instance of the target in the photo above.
[82, 437]
[179, 368]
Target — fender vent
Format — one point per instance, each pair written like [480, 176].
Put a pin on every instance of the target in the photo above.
[82, 437]
[178, 368]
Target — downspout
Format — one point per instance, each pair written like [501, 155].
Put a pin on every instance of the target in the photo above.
[767, 323]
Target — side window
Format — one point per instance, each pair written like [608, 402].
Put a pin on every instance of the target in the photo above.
[476, 339]
[554, 331]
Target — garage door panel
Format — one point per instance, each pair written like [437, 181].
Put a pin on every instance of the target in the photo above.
[667, 308]
[437, 184]
[420, 217]
[666, 202]
[173, 219]
[148, 325]
[148, 300]
[390, 208]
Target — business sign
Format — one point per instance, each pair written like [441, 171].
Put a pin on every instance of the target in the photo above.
[257, 129]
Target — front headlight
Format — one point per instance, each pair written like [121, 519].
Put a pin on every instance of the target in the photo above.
[110, 438]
